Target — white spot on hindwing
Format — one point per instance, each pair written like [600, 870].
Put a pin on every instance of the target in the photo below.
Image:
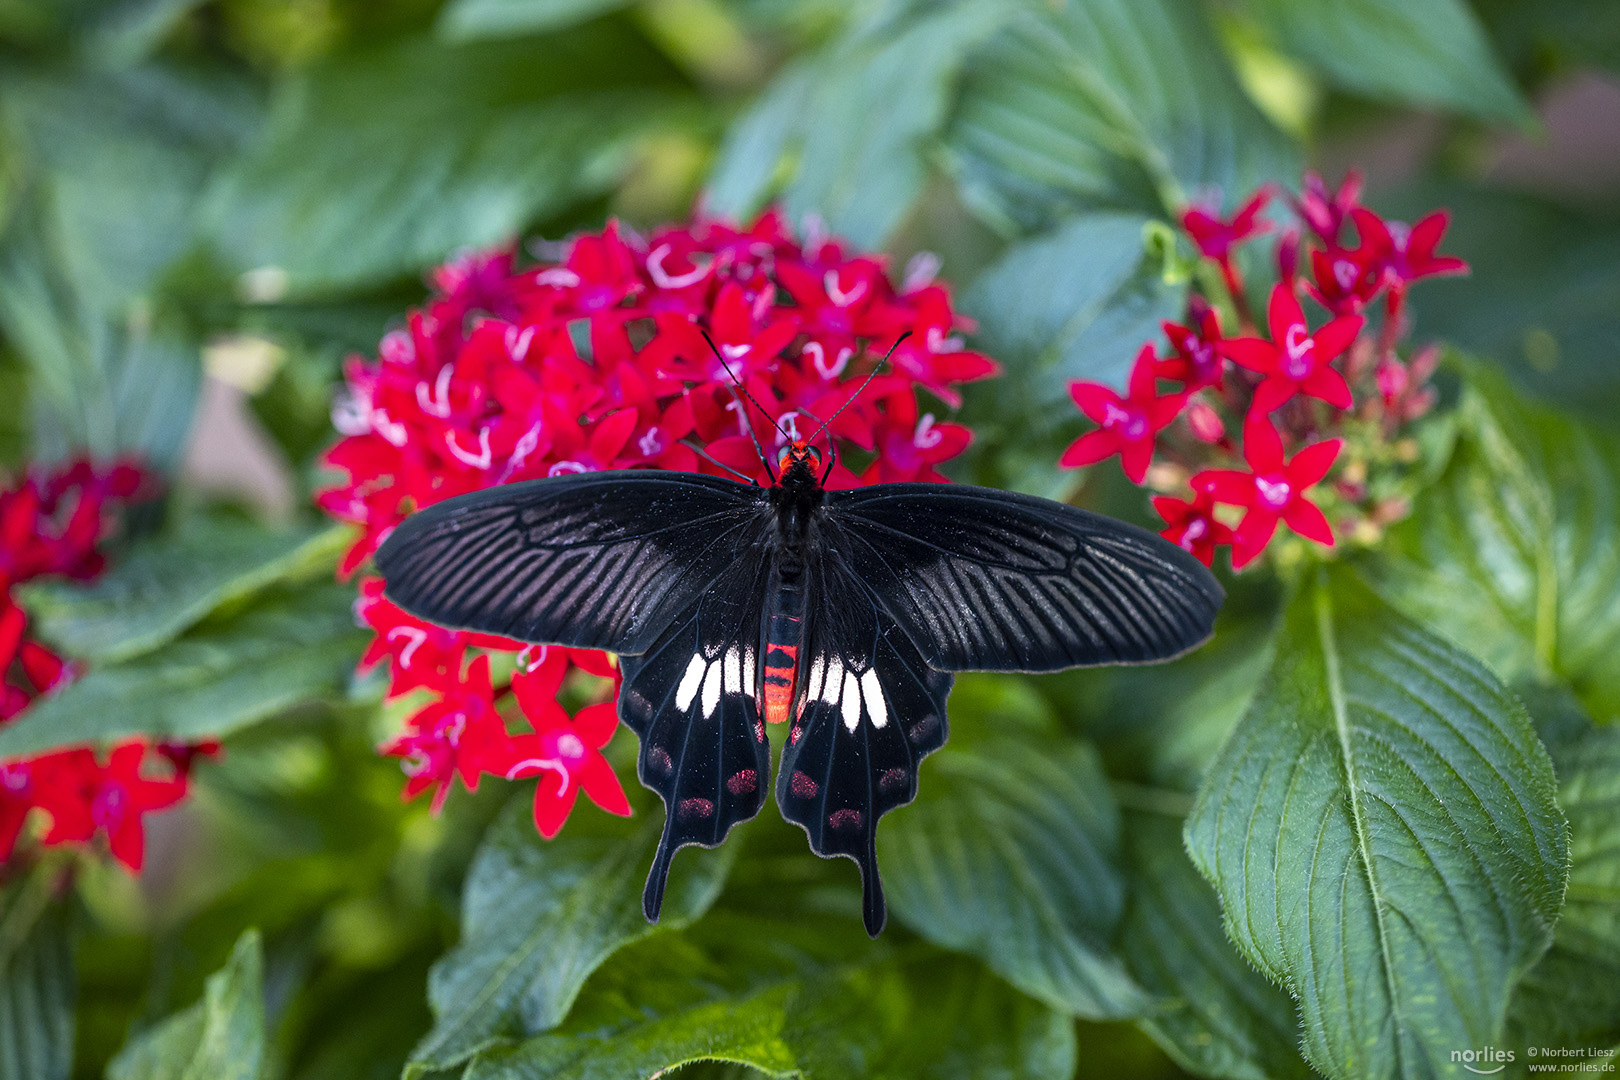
[872, 694]
[850, 701]
[711, 689]
[689, 682]
[733, 671]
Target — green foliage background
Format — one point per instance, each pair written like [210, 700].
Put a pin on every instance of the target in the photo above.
[1375, 821]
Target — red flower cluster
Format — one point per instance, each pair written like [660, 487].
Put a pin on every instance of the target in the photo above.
[598, 361]
[50, 524]
[1284, 389]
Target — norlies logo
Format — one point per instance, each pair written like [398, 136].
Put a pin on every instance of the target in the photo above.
[1487, 1061]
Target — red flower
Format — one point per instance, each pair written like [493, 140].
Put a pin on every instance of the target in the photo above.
[461, 734]
[1197, 360]
[1325, 212]
[564, 751]
[1129, 424]
[1192, 525]
[1406, 254]
[1216, 237]
[1296, 361]
[1344, 280]
[84, 797]
[1273, 490]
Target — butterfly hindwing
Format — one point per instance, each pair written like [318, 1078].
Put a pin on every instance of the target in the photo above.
[991, 580]
[594, 560]
[692, 701]
[868, 710]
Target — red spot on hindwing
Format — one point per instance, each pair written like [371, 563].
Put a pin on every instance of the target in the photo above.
[742, 781]
[802, 786]
[844, 819]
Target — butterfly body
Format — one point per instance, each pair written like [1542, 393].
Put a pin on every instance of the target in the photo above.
[841, 614]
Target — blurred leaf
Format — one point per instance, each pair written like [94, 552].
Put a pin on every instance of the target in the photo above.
[1515, 553]
[1220, 1016]
[858, 167]
[221, 1037]
[375, 164]
[122, 158]
[38, 986]
[168, 584]
[224, 675]
[1009, 855]
[1426, 52]
[468, 20]
[1076, 303]
[1383, 833]
[539, 916]
[1537, 35]
[1107, 104]
[95, 385]
[1572, 996]
[1542, 297]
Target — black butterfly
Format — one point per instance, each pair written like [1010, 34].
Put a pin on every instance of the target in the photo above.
[843, 612]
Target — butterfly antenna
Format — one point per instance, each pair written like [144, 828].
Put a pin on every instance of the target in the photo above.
[712, 460]
[861, 387]
[748, 424]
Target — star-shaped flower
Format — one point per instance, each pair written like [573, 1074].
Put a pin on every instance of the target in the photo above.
[1296, 361]
[1127, 425]
[1273, 490]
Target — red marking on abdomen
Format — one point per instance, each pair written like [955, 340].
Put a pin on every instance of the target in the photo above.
[781, 666]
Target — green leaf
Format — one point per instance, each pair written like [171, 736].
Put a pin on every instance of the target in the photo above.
[859, 168]
[539, 916]
[167, 585]
[221, 1037]
[1010, 855]
[1515, 553]
[1106, 104]
[222, 676]
[1382, 830]
[744, 1032]
[38, 985]
[1423, 52]
[763, 992]
[1076, 303]
[468, 20]
[1572, 996]
[377, 163]
[1220, 1016]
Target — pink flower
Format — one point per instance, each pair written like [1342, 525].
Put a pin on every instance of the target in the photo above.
[1192, 525]
[1296, 361]
[1197, 359]
[1127, 425]
[1406, 254]
[1272, 490]
[1325, 212]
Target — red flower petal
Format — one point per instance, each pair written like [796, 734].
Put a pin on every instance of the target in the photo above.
[1336, 336]
[1305, 518]
[1230, 486]
[1283, 312]
[1135, 458]
[1328, 385]
[1252, 353]
[1089, 449]
[553, 802]
[1262, 446]
[601, 784]
[1313, 462]
[1094, 399]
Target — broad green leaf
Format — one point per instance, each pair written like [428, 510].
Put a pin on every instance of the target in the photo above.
[1515, 552]
[765, 992]
[1424, 52]
[1009, 854]
[38, 985]
[374, 164]
[168, 584]
[744, 1032]
[1572, 996]
[222, 676]
[1219, 1016]
[539, 916]
[221, 1037]
[467, 20]
[857, 167]
[1106, 104]
[1382, 830]
[1076, 303]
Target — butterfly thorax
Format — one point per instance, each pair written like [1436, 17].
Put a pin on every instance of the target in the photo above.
[796, 497]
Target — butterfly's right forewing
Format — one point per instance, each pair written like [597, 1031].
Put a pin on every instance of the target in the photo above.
[595, 560]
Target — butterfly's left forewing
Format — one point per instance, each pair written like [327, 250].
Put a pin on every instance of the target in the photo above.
[868, 709]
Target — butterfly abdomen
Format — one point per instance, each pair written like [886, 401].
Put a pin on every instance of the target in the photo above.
[784, 631]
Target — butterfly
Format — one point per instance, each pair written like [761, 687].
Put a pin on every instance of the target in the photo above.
[843, 614]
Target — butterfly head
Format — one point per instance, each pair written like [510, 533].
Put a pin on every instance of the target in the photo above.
[799, 453]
